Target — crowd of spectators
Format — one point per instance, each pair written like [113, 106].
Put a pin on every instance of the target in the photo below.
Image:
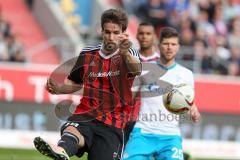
[209, 30]
[11, 49]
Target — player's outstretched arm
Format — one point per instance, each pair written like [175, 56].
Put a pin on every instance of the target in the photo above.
[66, 88]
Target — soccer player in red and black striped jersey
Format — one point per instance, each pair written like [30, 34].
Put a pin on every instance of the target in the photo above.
[106, 73]
[148, 54]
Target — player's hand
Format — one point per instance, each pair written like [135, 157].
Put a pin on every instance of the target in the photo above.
[52, 87]
[125, 44]
[194, 113]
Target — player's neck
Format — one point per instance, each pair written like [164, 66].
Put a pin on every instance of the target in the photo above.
[146, 52]
[107, 53]
[167, 63]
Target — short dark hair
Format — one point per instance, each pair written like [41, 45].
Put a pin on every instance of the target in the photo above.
[145, 24]
[168, 32]
[116, 16]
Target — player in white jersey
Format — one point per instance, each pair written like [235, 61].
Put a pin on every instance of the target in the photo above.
[146, 38]
[156, 132]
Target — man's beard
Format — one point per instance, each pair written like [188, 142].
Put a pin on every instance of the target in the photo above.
[146, 46]
[167, 58]
[110, 47]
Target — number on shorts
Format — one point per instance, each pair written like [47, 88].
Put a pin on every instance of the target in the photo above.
[177, 153]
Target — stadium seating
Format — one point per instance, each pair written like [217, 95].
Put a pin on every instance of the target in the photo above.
[25, 25]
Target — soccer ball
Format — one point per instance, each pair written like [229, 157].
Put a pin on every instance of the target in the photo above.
[180, 99]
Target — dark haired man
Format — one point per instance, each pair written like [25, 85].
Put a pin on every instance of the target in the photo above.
[156, 133]
[147, 52]
[106, 73]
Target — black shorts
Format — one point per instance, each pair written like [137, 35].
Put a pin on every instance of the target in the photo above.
[102, 142]
[128, 129]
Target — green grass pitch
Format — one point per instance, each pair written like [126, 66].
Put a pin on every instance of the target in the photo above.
[23, 154]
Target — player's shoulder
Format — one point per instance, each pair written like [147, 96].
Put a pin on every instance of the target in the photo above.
[183, 69]
[91, 49]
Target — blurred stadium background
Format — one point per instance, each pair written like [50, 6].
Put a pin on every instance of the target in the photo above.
[38, 35]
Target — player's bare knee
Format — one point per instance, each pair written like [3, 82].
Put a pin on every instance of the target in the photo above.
[74, 131]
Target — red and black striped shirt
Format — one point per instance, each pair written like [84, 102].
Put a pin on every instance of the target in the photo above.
[107, 88]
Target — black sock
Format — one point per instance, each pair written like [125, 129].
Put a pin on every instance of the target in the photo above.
[70, 143]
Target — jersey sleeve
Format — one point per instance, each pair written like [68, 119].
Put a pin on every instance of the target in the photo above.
[134, 52]
[77, 72]
[136, 55]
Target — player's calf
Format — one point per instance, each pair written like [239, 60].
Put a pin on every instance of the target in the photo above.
[70, 143]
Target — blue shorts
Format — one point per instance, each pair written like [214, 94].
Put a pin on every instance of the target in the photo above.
[148, 146]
